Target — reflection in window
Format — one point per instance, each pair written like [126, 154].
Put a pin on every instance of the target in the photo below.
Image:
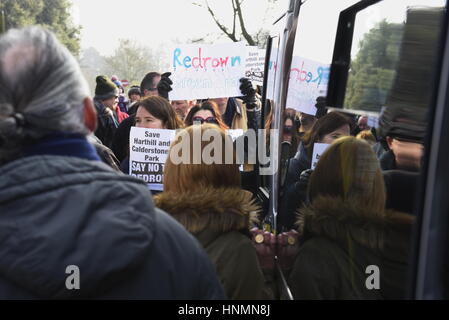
[373, 69]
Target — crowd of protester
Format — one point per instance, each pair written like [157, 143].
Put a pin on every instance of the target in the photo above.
[64, 201]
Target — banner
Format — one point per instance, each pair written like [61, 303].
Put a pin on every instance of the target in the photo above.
[308, 81]
[254, 65]
[148, 150]
[207, 71]
[318, 150]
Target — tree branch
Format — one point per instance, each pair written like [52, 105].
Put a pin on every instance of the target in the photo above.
[222, 27]
[245, 33]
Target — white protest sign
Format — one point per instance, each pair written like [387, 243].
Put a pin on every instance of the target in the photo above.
[207, 71]
[308, 81]
[148, 150]
[272, 68]
[254, 65]
[373, 122]
[318, 150]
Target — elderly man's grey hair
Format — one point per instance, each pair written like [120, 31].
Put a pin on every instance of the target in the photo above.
[41, 90]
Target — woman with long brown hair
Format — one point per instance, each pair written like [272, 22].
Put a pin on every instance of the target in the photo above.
[325, 130]
[207, 199]
[154, 112]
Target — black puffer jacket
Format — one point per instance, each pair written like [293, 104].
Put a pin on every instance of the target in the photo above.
[57, 211]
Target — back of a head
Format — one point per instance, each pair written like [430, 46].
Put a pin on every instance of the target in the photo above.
[147, 81]
[349, 171]
[193, 165]
[41, 90]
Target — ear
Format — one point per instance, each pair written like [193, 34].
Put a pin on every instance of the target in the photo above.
[389, 142]
[90, 114]
[145, 93]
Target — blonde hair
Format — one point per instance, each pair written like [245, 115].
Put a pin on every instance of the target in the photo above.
[366, 135]
[184, 177]
[350, 171]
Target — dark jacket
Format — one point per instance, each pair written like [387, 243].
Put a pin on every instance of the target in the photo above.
[401, 188]
[120, 143]
[341, 241]
[293, 189]
[107, 124]
[387, 161]
[220, 219]
[57, 211]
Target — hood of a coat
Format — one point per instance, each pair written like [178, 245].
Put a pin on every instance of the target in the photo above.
[215, 210]
[60, 211]
[339, 221]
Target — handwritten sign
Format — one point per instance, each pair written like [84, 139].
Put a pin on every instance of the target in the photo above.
[207, 71]
[308, 81]
[254, 65]
[148, 150]
[318, 150]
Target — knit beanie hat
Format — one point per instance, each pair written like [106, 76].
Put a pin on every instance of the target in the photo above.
[134, 90]
[105, 88]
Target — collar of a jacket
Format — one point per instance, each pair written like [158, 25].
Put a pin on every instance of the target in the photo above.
[63, 144]
[216, 209]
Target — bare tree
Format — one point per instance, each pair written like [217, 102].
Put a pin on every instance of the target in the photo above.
[239, 28]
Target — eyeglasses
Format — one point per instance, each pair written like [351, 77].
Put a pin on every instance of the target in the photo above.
[152, 89]
[199, 120]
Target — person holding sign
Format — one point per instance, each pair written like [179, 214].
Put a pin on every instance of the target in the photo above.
[347, 229]
[325, 130]
[149, 86]
[206, 112]
[208, 201]
[243, 112]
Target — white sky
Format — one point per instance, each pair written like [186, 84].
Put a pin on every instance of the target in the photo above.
[159, 22]
[156, 23]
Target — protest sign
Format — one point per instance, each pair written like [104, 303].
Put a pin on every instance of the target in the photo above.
[148, 150]
[318, 150]
[254, 65]
[308, 81]
[207, 71]
[272, 68]
[373, 122]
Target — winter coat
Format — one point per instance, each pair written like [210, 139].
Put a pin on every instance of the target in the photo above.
[387, 160]
[401, 187]
[120, 115]
[107, 124]
[220, 219]
[293, 192]
[340, 242]
[120, 143]
[60, 211]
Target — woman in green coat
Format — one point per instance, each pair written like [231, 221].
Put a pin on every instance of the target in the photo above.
[353, 248]
[208, 201]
